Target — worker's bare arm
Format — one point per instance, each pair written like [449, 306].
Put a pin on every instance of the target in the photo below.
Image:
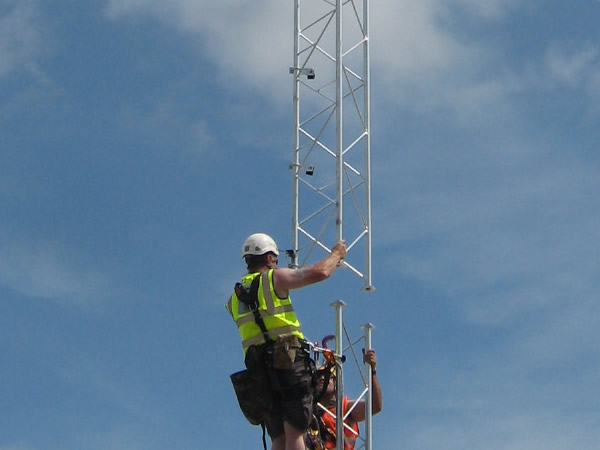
[285, 280]
[358, 414]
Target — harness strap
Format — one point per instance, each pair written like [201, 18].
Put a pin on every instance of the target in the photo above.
[325, 382]
[262, 425]
[250, 298]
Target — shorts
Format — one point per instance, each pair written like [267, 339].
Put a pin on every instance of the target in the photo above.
[292, 395]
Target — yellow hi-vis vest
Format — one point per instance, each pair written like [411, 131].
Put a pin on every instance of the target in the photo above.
[278, 314]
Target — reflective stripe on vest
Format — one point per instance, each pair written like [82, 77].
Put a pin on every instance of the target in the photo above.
[350, 431]
[278, 314]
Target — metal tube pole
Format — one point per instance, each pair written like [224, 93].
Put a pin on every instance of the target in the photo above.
[369, 400]
[339, 98]
[295, 166]
[339, 409]
[367, 118]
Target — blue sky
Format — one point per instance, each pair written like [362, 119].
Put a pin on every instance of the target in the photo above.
[141, 141]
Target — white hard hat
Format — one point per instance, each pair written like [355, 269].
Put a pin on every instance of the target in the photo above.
[259, 244]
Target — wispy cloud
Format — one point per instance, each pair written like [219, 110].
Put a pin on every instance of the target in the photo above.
[243, 39]
[486, 9]
[419, 62]
[499, 203]
[572, 66]
[410, 45]
[164, 121]
[45, 272]
[21, 38]
[475, 217]
[500, 216]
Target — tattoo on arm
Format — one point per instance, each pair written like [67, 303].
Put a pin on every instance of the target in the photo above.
[299, 274]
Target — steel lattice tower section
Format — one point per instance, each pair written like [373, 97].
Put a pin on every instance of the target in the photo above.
[331, 167]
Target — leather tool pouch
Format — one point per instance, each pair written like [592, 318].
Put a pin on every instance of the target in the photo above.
[252, 387]
[251, 402]
[284, 352]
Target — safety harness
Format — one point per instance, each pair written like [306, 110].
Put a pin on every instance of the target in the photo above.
[249, 296]
[272, 349]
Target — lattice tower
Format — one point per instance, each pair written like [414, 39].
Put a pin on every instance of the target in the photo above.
[331, 173]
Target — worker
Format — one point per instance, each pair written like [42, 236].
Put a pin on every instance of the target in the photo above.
[272, 339]
[322, 432]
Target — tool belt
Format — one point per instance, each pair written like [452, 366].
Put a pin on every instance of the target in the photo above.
[285, 349]
[254, 386]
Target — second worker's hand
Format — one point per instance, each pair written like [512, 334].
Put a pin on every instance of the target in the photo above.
[370, 357]
[340, 249]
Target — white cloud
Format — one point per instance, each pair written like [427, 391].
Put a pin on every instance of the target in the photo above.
[407, 43]
[501, 207]
[43, 272]
[200, 137]
[575, 67]
[419, 62]
[252, 42]
[21, 39]
[502, 232]
[246, 40]
[488, 9]
[166, 120]
[572, 67]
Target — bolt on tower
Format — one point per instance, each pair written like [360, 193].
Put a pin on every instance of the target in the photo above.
[331, 185]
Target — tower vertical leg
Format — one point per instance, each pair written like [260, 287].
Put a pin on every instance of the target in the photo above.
[295, 166]
[369, 400]
[339, 348]
[367, 145]
[339, 116]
